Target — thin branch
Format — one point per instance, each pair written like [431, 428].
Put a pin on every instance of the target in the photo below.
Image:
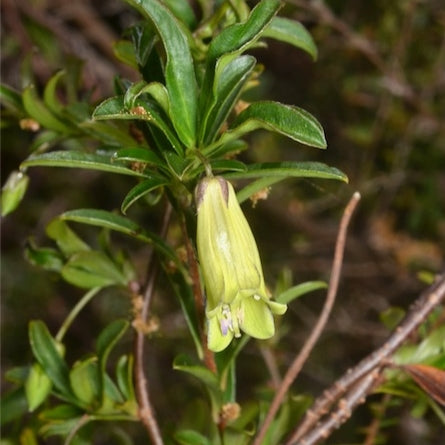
[417, 314]
[146, 412]
[301, 358]
[344, 409]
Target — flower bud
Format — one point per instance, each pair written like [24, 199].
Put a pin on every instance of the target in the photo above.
[237, 298]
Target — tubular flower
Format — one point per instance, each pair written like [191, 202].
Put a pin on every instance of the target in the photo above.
[237, 298]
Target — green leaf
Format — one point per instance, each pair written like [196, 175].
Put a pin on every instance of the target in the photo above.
[124, 51]
[191, 437]
[68, 242]
[292, 122]
[141, 155]
[182, 11]
[61, 412]
[50, 94]
[239, 36]
[256, 186]
[141, 190]
[13, 406]
[290, 31]
[45, 140]
[204, 375]
[37, 387]
[299, 290]
[289, 170]
[77, 159]
[108, 133]
[13, 191]
[124, 376]
[108, 338]
[144, 39]
[392, 316]
[154, 89]
[113, 108]
[179, 68]
[45, 350]
[235, 39]
[11, 99]
[64, 427]
[228, 165]
[108, 220]
[89, 269]
[230, 77]
[39, 112]
[85, 383]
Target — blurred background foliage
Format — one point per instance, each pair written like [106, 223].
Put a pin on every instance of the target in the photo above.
[377, 87]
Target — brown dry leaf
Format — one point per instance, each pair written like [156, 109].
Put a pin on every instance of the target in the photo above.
[430, 379]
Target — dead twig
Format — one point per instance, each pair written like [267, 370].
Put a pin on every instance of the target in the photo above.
[301, 358]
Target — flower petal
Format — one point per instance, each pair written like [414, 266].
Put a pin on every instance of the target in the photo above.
[256, 319]
[216, 340]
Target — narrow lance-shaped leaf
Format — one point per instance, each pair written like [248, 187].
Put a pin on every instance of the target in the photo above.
[239, 36]
[106, 342]
[50, 93]
[77, 159]
[292, 32]
[230, 78]
[114, 108]
[289, 170]
[46, 352]
[235, 39]
[13, 191]
[292, 122]
[119, 223]
[141, 189]
[90, 269]
[179, 69]
[39, 111]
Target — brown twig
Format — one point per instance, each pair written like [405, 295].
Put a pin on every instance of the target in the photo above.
[301, 358]
[418, 312]
[146, 412]
[345, 407]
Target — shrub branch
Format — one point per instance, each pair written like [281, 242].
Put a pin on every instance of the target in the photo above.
[373, 363]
